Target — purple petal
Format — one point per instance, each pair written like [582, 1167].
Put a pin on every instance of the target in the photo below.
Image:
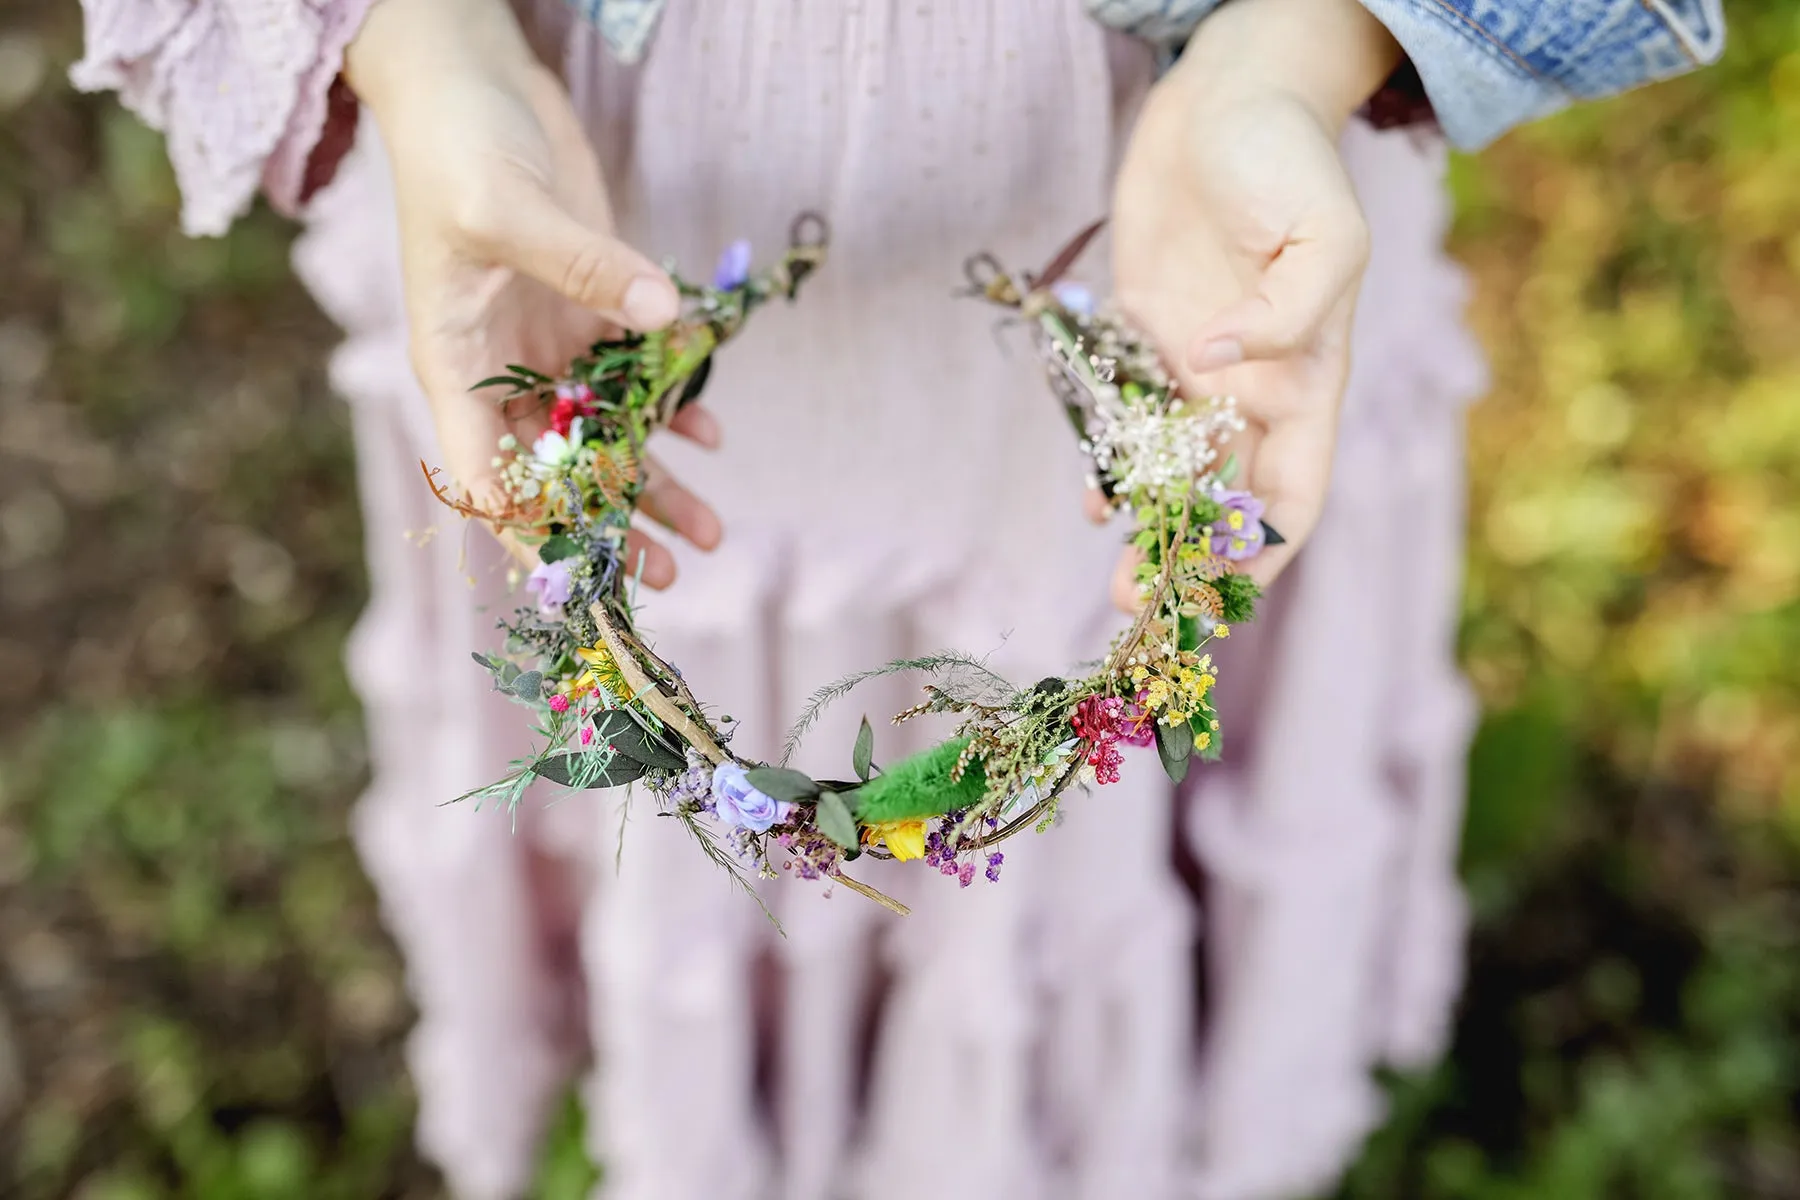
[734, 267]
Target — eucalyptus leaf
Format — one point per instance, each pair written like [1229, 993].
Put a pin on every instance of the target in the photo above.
[1174, 745]
[782, 783]
[834, 820]
[528, 685]
[615, 727]
[509, 671]
[863, 757]
[567, 770]
[558, 547]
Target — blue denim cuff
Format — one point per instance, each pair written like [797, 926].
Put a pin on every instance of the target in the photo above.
[1489, 65]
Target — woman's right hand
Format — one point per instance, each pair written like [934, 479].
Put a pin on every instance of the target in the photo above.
[506, 237]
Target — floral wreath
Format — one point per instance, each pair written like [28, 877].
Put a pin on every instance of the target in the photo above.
[611, 712]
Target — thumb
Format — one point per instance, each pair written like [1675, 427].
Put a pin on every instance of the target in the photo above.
[1299, 289]
[539, 238]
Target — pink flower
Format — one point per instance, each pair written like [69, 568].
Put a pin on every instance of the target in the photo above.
[559, 704]
[1137, 726]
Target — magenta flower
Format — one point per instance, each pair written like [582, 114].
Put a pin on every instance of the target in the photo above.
[733, 270]
[1137, 725]
[1238, 533]
[549, 582]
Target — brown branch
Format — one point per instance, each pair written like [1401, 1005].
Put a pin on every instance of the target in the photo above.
[652, 695]
[881, 898]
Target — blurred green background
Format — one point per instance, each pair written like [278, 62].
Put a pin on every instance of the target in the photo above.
[197, 1000]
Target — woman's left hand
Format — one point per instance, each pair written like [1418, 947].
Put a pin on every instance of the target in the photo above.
[1238, 242]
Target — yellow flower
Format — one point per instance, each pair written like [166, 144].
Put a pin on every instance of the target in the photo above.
[1202, 741]
[1235, 519]
[1221, 630]
[602, 672]
[905, 840]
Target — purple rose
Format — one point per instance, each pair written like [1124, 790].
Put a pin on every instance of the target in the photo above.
[739, 804]
[734, 267]
[1238, 533]
[550, 583]
[1074, 297]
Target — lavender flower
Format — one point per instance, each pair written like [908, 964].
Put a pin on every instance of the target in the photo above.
[1074, 297]
[550, 583]
[993, 866]
[692, 786]
[1238, 533]
[733, 270]
[737, 803]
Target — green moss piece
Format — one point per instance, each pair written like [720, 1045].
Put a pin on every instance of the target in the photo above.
[920, 786]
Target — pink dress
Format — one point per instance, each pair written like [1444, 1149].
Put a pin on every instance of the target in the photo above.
[895, 480]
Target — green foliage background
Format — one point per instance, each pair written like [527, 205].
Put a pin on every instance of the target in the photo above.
[197, 1000]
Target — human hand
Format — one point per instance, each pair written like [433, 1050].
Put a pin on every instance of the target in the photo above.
[506, 241]
[1239, 245]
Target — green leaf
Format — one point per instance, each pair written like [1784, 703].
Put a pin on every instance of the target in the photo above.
[835, 821]
[863, 757]
[528, 686]
[570, 771]
[782, 783]
[1229, 471]
[528, 373]
[496, 380]
[696, 383]
[616, 728]
[1174, 745]
[509, 671]
[558, 547]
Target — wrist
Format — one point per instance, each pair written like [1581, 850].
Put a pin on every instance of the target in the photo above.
[405, 43]
[1331, 56]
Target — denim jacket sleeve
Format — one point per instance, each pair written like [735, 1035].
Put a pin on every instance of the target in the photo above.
[1489, 65]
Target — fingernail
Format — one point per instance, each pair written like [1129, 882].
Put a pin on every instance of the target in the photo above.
[650, 303]
[1218, 354]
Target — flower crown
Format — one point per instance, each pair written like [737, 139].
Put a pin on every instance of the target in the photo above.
[612, 712]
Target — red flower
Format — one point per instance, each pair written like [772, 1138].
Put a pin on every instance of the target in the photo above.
[1097, 718]
[563, 414]
[1106, 761]
[572, 400]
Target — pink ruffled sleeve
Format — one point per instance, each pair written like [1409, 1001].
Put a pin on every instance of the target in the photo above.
[246, 91]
